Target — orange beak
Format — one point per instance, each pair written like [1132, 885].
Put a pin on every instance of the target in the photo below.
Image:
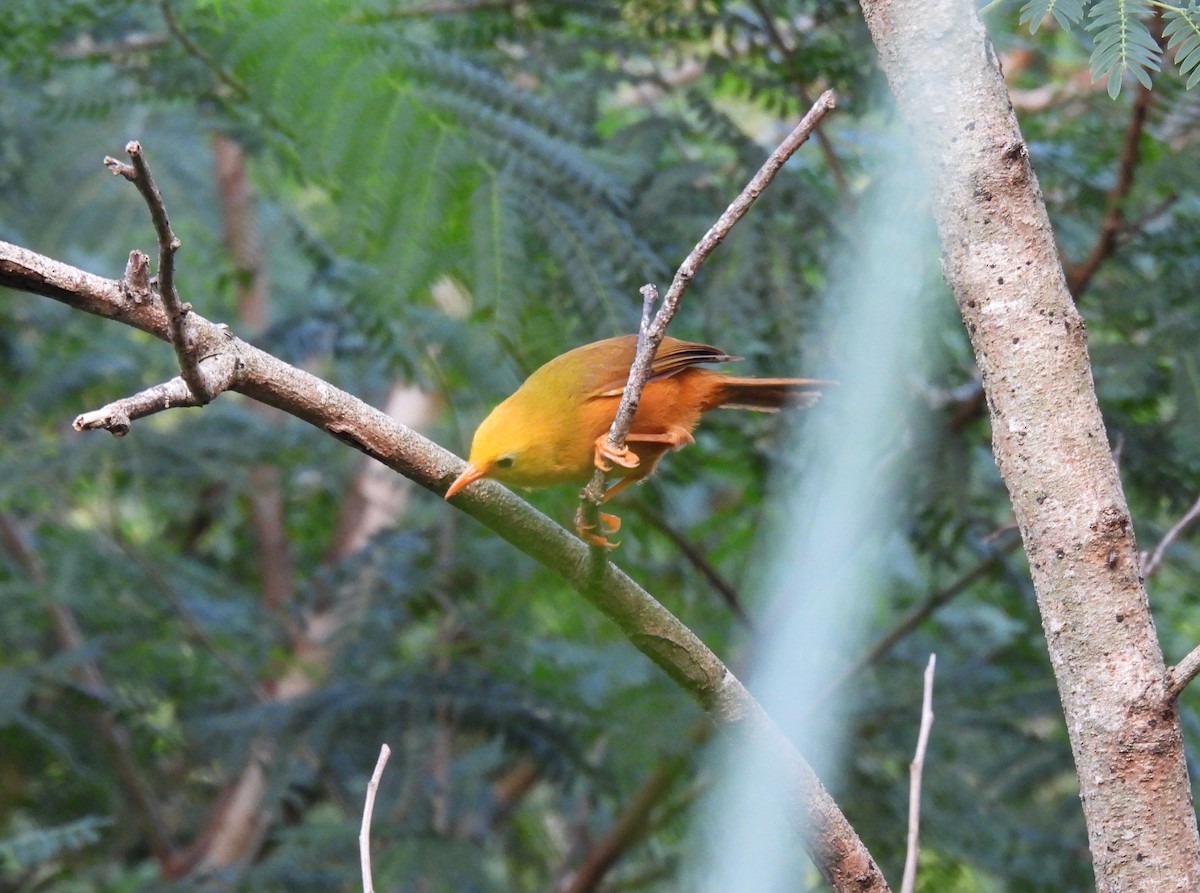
[469, 476]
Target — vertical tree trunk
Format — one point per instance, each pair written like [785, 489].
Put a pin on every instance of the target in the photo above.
[999, 256]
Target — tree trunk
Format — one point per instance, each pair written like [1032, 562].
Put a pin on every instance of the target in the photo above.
[999, 256]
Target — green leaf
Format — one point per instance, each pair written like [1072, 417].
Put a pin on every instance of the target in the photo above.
[1182, 32]
[1065, 12]
[1123, 43]
[38, 846]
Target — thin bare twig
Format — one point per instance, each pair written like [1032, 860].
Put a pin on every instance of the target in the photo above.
[1152, 560]
[788, 52]
[1079, 276]
[916, 617]
[653, 331]
[724, 588]
[1180, 675]
[240, 90]
[634, 822]
[117, 417]
[168, 243]
[364, 833]
[915, 769]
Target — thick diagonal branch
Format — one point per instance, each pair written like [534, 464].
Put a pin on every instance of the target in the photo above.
[656, 632]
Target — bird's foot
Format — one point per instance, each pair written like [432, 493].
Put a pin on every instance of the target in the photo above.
[606, 454]
[679, 438]
[609, 524]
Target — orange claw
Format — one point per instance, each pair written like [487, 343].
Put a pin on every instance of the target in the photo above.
[609, 525]
[607, 453]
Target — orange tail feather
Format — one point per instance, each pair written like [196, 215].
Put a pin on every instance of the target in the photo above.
[764, 394]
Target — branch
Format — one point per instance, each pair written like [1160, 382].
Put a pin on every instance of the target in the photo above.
[788, 53]
[652, 331]
[87, 47]
[631, 825]
[696, 557]
[908, 884]
[1180, 675]
[916, 617]
[136, 280]
[168, 243]
[656, 632]
[434, 8]
[117, 417]
[364, 833]
[240, 90]
[1152, 560]
[1079, 276]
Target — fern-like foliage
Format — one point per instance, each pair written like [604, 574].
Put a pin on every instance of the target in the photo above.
[437, 162]
[1065, 12]
[37, 847]
[1123, 42]
[1182, 32]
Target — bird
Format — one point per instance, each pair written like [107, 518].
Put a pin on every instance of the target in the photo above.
[554, 428]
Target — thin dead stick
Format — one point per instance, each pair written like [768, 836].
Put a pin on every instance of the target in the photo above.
[1151, 561]
[168, 243]
[364, 833]
[914, 792]
[652, 331]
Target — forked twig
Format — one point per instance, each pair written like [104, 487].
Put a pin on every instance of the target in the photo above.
[168, 243]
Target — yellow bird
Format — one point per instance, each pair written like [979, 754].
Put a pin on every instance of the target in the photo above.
[554, 428]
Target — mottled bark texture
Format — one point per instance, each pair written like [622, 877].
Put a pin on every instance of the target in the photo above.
[999, 257]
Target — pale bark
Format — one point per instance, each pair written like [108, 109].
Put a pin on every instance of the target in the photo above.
[999, 257]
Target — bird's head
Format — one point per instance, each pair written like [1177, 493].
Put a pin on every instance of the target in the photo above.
[503, 449]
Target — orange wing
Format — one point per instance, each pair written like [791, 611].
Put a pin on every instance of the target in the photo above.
[672, 358]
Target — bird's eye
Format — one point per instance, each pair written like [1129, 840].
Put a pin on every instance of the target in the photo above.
[505, 462]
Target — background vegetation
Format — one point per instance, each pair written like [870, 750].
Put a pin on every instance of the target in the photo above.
[447, 195]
